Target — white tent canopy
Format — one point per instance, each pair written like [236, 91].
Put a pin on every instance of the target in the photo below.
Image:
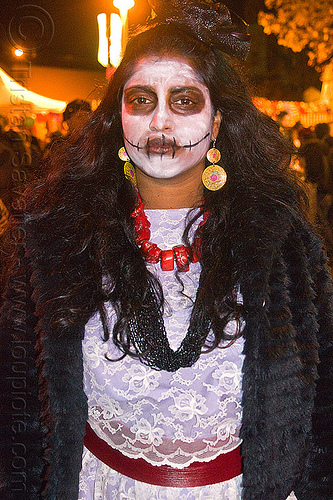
[14, 95]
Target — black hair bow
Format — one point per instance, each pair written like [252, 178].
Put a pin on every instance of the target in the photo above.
[209, 21]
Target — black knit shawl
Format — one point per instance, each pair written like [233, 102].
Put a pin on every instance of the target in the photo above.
[288, 297]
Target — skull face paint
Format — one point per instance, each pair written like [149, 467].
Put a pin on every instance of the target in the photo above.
[167, 117]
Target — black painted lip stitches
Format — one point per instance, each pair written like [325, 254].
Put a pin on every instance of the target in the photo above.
[163, 145]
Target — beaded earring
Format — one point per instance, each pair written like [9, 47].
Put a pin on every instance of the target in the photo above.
[214, 176]
[129, 169]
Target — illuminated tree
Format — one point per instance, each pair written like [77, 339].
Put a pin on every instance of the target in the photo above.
[302, 24]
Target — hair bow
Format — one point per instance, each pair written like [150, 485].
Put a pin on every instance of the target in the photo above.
[209, 21]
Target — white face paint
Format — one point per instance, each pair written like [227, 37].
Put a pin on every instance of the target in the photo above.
[167, 117]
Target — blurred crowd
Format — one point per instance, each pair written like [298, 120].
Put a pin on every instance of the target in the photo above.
[314, 163]
[22, 155]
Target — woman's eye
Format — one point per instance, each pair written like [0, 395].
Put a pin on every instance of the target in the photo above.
[137, 103]
[184, 105]
[185, 101]
[140, 100]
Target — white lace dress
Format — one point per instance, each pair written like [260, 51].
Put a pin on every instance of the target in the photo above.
[193, 414]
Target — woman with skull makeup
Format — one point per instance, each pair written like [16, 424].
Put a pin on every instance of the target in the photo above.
[179, 317]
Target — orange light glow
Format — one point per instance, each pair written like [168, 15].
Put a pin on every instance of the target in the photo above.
[18, 52]
[21, 95]
[115, 39]
[102, 56]
[123, 4]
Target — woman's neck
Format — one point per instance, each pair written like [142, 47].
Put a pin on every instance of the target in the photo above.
[183, 191]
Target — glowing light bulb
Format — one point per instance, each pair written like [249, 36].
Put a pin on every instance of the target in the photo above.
[123, 4]
[18, 52]
[115, 40]
[102, 56]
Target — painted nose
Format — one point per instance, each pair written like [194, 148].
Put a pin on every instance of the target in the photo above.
[161, 120]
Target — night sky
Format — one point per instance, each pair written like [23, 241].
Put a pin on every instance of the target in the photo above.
[64, 32]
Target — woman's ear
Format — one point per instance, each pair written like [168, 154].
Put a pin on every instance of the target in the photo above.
[216, 124]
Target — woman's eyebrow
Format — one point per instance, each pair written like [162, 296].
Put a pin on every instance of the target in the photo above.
[176, 90]
[139, 88]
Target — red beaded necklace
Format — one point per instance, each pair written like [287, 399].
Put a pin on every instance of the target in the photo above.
[182, 254]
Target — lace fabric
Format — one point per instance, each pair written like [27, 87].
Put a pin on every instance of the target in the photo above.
[167, 418]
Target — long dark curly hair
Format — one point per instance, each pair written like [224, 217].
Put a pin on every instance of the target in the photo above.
[81, 238]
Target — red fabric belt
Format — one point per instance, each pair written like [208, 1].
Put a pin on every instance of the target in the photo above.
[224, 467]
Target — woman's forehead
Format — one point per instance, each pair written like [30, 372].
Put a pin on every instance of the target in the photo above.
[168, 71]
